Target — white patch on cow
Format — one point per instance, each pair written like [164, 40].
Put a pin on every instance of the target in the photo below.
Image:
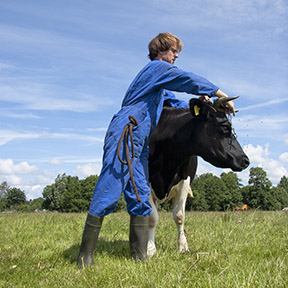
[153, 221]
[179, 195]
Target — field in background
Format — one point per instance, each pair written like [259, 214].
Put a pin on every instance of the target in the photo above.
[230, 249]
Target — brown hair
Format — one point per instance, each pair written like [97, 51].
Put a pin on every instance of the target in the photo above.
[163, 42]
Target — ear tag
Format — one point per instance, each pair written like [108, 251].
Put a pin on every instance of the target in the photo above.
[196, 110]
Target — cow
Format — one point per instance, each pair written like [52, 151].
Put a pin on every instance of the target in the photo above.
[180, 136]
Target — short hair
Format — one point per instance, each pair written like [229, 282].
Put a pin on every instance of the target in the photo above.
[163, 42]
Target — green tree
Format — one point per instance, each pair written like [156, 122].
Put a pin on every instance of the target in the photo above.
[245, 192]
[36, 204]
[69, 194]
[283, 183]
[281, 192]
[87, 187]
[73, 200]
[198, 202]
[15, 197]
[4, 188]
[54, 194]
[232, 183]
[210, 193]
[32, 205]
[259, 195]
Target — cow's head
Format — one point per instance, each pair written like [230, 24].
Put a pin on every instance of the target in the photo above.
[216, 140]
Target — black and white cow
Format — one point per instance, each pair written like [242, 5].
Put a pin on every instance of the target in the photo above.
[180, 136]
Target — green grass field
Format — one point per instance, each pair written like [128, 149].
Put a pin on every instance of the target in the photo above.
[231, 249]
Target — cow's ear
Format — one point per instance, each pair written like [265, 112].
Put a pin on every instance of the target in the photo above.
[195, 106]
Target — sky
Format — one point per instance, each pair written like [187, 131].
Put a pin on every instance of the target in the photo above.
[65, 67]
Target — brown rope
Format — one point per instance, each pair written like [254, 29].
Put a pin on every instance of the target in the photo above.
[127, 132]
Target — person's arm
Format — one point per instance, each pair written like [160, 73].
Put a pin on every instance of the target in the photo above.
[171, 100]
[175, 79]
[170, 77]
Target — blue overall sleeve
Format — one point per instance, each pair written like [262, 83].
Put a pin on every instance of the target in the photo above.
[171, 100]
[174, 79]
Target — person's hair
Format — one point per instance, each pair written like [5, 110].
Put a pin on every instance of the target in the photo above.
[163, 42]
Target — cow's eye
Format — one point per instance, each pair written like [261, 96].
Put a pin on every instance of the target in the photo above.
[226, 130]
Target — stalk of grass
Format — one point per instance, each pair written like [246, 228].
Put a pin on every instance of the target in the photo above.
[231, 249]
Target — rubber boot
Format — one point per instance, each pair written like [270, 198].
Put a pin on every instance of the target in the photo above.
[89, 240]
[138, 237]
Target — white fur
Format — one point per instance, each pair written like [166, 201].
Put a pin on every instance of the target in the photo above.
[179, 195]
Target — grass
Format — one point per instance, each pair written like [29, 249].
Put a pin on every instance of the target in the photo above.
[231, 249]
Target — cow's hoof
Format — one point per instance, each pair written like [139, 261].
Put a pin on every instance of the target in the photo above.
[183, 251]
[184, 248]
[151, 249]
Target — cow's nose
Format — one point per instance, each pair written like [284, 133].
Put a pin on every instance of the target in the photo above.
[245, 162]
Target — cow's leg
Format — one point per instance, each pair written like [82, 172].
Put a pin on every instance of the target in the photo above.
[179, 203]
[153, 220]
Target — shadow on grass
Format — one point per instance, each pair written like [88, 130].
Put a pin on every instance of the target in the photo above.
[117, 249]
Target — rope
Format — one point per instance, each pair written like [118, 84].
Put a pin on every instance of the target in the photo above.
[127, 132]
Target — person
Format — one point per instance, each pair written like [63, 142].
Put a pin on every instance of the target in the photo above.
[141, 108]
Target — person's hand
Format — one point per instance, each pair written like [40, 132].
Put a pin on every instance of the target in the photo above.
[204, 98]
[229, 106]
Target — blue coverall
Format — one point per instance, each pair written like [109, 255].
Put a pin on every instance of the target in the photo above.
[144, 100]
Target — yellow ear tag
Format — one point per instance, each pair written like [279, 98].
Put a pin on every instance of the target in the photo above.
[196, 110]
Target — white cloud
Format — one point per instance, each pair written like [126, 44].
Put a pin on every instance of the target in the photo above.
[259, 157]
[19, 115]
[259, 126]
[35, 95]
[257, 154]
[32, 192]
[56, 161]
[265, 104]
[7, 167]
[87, 170]
[12, 180]
[284, 157]
[9, 135]
[246, 15]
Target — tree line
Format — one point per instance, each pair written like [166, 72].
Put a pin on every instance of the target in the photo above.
[211, 193]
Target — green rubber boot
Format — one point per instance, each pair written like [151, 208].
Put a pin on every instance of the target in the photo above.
[89, 240]
[138, 237]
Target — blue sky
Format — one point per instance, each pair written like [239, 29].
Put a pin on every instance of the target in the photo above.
[65, 67]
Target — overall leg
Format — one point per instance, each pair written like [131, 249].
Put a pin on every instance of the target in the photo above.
[111, 182]
[139, 212]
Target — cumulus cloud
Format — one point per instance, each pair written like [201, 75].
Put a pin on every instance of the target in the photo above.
[7, 167]
[257, 153]
[87, 170]
[259, 157]
[12, 180]
[32, 192]
[32, 184]
[284, 157]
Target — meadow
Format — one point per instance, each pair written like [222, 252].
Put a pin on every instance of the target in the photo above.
[228, 249]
